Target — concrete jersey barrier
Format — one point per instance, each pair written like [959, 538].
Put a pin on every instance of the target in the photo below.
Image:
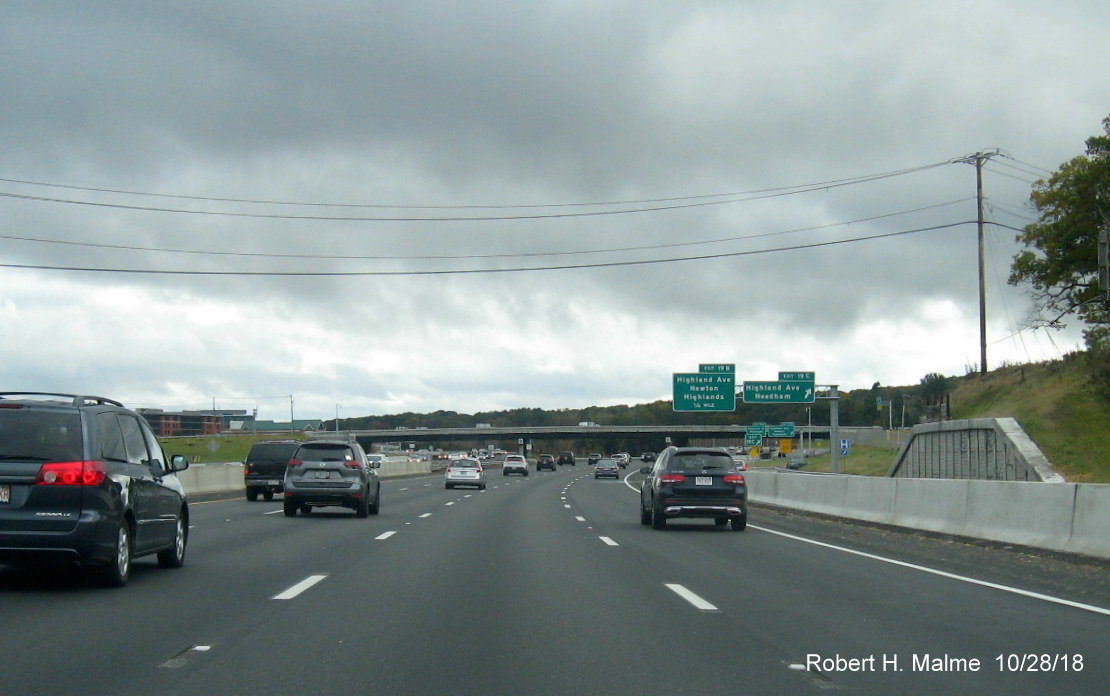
[1068, 517]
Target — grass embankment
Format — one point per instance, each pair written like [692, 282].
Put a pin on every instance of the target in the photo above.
[220, 448]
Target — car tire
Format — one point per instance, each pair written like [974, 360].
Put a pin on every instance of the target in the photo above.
[118, 570]
[290, 509]
[376, 506]
[268, 495]
[645, 516]
[174, 557]
[739, 523]
[306, 509]
[252, 494]
[362, 507]
[720, 521]
[482, 487]
[448, 486]
[658, 519]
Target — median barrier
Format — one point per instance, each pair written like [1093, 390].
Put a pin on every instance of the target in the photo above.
[228, 476]
[1068, 517]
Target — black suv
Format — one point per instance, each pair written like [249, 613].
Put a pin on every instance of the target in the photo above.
[326, 473]
[84, 479]
[264, 467]
[693, 482]
[566, 458]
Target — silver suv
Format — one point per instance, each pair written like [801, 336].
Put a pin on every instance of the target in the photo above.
[331, 474]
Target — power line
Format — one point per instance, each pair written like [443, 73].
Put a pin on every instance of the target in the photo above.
[700, 202]
[249, 201]
[122, 247]
[611, 264]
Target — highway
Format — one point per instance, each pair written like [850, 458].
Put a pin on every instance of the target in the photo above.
[549, 585]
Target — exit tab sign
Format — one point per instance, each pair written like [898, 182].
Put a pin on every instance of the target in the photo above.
[717, 368]
[797, 377]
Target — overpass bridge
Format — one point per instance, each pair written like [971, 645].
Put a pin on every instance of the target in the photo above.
[680, 435]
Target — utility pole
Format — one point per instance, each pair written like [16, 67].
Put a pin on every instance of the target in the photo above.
[978, 159]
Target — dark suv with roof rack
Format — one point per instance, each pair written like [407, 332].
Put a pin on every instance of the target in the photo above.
[694, 482]
[83, 479]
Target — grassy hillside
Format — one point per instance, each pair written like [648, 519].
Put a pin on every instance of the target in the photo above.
[1055, 403]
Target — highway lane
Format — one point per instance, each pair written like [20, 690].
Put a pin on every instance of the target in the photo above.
[538, 585]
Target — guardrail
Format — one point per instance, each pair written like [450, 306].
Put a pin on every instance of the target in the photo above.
[1068, 517]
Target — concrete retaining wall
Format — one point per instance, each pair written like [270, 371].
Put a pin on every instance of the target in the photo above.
[1069, 517]
[220, 478]
[996, 449]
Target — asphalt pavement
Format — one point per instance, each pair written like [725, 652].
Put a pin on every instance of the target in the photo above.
[550, 585]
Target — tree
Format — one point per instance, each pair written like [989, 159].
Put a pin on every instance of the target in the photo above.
[1061, 264]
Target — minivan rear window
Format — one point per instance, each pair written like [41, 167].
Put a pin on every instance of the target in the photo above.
[28, 433]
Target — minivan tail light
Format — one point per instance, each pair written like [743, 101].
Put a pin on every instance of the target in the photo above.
[672, 478]
[294, 463]
[83, 473]
[736, 479]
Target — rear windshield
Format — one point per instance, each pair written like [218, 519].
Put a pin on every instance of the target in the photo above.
[325, 453]
[464, 464]
[699, 461]
[274, 450]
[40, 435]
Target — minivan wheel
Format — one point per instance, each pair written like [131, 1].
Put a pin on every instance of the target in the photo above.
[118, 570]
[362, 507]
[174, 557]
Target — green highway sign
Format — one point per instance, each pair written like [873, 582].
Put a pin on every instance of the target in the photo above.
[704, 391]
[782, 430]
[797, 377]
[715, 368]
[779, 392]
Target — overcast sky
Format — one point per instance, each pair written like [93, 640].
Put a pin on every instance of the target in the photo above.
[689, 176]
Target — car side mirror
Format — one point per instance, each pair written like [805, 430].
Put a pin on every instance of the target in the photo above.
[178, 462]
[645, 470]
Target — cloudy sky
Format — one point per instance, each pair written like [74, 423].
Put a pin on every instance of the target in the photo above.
[378, 207]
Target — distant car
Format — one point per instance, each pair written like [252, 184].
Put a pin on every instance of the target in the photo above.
[514, 464]
[545, 461]
[264, 467]
[648, 457]
[593, 458]
[378, 459]
[465, 472]
[566, 458]
[693, 482]
[83, 479]
[607, 468]
[323, 473]
[622, 459]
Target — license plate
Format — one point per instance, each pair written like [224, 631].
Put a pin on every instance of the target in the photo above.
[5, 494]
[323, 474]
[273, 483]
[703, 480]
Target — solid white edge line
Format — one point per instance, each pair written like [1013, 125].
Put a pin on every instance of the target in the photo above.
[690, 597]
[926, 569]
[300, 587]
[384, 535]
[943, 574]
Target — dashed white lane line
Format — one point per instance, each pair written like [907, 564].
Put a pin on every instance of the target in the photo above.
[384, 535]
[300, 587]
[580, 518]
[690, 597]
[274, 512]
[609, 541]
[426, 514]
[449, 504]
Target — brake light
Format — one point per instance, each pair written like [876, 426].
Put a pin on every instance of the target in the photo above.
[672, 478]
[246, 471]
[478, 468]
[351, 463]
[294, 463]
[735, 479]
[85, 473]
